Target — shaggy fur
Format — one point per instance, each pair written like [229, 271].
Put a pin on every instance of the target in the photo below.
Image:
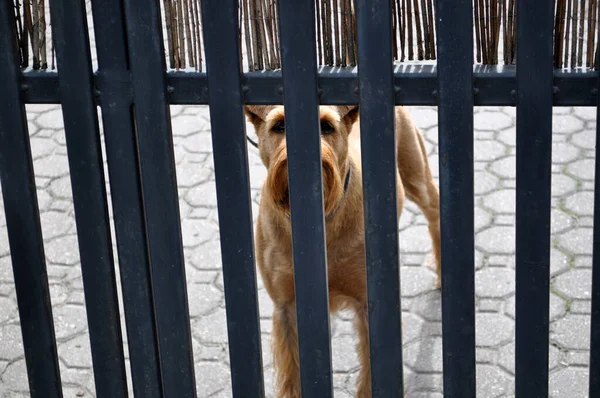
[344, 231]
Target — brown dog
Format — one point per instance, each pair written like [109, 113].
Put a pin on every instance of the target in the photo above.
[343, 194]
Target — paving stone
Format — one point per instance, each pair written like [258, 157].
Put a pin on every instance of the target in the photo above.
[69, 320]
[196, 231]
[51, 166]
[583, 169]
[496, 240]
[566, 124]
[491, 381]
[15, 376]
[41, 147]
[581, 307]
[203, 194]
[575, 283]
[577, 241]
[563, 152]
[422, 381]
[344, 357]
[424, 118]
[211, 377]
[502, 201]
[10, 333]
[488, 150]
[558, 307]
[505, 167]
[76, 352]
[494, 282]
[424, 355]
[184, 125]
[491, 121]
[508, 136]
[581, 203]
[581, 358]
[505, 219]
[55, 224]
[198, 143]
[211, 328]
[428, 306]
[206, 255]
[569, 382]
[415, 240]
[203, 298]
[492, 329]
[585, 113]
[412, 327]
[584, 139]
[482, 218]
[559, 262]
[583, 261]
[61, 188]
[572, 331]
[560, 221]
[63, 250]
[191, 174]
[51, 119]
[416, 280]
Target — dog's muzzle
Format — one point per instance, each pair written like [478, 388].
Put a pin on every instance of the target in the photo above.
[278, 184]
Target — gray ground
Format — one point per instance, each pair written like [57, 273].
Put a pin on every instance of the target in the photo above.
[573, 174]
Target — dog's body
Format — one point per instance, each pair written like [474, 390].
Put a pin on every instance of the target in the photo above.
[344, 227]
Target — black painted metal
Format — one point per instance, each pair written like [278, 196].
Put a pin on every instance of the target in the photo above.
[126, 195]
[23, 223]
[159, 182]
[415, 84]
[455, 113]
[594, 381]
[534, 145]
[306, 195]
[73, 57]
[233, 195]
[379, 168]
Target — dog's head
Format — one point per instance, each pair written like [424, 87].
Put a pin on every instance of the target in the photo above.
[335, 122]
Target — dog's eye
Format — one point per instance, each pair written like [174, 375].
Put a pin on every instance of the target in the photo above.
[279, 127]
[326, 128]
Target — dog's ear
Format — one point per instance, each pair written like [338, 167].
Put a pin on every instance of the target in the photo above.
[349, 114]
[257, 113]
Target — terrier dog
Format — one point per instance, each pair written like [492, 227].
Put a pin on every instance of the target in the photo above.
[343, 206]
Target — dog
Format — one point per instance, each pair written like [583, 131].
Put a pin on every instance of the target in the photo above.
[343, 207]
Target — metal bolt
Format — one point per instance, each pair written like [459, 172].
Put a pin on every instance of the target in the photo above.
[170, 89]
[24, 87]
[475, 91]
[397, 89]
[280, 90]
[555, 90]
[245, 89]
[356, 90]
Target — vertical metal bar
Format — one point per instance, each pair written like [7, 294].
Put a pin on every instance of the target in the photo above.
[159, 185]
[594, 382]
[534, 157]
[122, 157]
[73, 57]
[23, 222]
[233, 195]
[303, 139]
[455, 120]
[380, 170]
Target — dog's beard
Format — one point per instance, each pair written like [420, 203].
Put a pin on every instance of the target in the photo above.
[277, 183]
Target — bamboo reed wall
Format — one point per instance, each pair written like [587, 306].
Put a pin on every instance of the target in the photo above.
[413, 23]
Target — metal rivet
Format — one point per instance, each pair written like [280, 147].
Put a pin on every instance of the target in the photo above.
[280, 90]
[245, 89]
[97, 93]
[513, 93]
[397, 89]
[356, 90]
[594, 91]
[434, 93]
[170, 89]
[475, 91]
[24, 87]
[320, 92]
[555, 90]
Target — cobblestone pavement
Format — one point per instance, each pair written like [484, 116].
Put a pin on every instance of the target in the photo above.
[572, 206]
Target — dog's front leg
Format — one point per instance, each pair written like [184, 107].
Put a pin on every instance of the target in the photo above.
[361, 321]
[285, 351]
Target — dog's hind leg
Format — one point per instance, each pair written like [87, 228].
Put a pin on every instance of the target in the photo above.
[418, 182]
[285, 351]
[361, 323]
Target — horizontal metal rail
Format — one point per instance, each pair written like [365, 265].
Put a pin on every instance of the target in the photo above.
[414, 84]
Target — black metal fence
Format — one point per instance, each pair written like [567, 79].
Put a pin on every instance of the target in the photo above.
[134, 92]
